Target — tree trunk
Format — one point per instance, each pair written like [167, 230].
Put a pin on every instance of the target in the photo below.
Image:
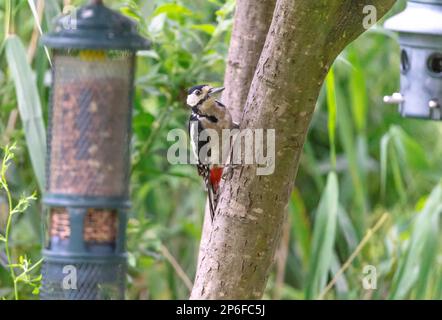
[304, 39]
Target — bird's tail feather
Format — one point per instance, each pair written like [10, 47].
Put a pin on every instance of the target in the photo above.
[212, 203]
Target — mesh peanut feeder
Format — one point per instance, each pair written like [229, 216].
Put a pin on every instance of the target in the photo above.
[87, 194]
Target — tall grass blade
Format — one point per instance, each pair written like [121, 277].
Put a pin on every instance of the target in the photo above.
[438, 285]
[341, 285]
[395, 162]
[358, 91]
[29, 105]
[403, 155]
[8, 17]
[347, 135]
[37, 23]
[409, 149]
[346, 228]
[332, 112]
[311, 164]
[415, 262]
[385, 142]
[428, 258]
[323, 238]
[52, 10]
[301, 228]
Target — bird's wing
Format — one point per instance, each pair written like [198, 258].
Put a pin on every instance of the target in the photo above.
[194, 134]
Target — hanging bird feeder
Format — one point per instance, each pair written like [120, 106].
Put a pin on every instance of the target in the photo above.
[420, 38]
[87, 192]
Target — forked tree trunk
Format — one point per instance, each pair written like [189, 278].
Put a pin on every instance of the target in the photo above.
[305, 37]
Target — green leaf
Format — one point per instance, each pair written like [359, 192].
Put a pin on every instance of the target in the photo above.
[29, 105]
[2, 238]
[38, 278]
[323, 238]
[207, 28]
[23, 204]
[149, 54]
[173, 11]
[156, 26]
[130, 13]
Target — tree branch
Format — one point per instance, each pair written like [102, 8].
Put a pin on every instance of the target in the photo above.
[251, 25]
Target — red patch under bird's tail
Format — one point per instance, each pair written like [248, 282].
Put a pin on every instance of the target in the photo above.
[216, 174]
[213, 180]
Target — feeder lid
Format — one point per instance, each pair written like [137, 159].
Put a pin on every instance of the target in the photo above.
[95, 26]
[420, 16]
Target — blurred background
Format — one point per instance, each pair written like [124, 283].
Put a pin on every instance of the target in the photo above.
[387, 166]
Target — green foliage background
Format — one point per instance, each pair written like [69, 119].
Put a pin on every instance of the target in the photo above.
[384, 166]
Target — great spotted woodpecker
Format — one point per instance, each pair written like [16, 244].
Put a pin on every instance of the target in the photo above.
[208, 113]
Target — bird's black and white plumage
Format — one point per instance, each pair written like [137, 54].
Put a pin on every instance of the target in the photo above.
[207, 113]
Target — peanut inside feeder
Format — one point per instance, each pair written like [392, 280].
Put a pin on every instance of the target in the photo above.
[60, 225]
[90, 125]
[100, 225]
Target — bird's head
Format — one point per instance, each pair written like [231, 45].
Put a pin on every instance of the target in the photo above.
[199, 94]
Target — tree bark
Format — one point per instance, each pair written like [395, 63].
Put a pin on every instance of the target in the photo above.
[304, 39]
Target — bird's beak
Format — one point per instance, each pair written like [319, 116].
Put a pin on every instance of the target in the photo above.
[215, 91]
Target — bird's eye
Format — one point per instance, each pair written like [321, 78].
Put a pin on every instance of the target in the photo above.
[197, 92]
